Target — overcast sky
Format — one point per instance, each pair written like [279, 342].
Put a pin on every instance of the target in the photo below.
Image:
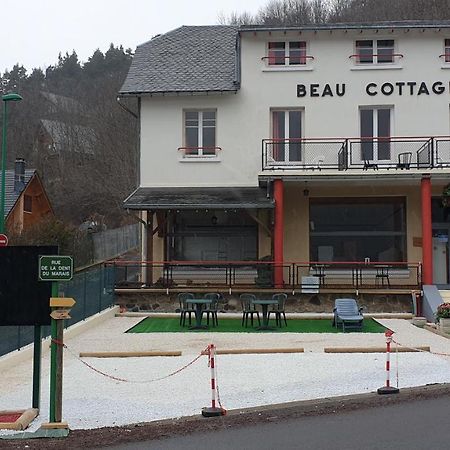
[34, 32]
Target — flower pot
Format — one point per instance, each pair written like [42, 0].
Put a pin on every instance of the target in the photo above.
[444, 325]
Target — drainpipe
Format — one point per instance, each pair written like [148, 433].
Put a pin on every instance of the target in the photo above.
[427, 240]
[278, 235]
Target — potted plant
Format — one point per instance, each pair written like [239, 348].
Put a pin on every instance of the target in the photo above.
[443, 317]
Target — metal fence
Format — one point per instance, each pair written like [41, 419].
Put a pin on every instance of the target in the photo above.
[93, 290]
[179, 275]
[111, 243]
[390, 152]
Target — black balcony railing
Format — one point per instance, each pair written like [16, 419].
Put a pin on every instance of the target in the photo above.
[297, 276]
[356, 153]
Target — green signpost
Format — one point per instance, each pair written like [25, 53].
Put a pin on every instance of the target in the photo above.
[55, 268]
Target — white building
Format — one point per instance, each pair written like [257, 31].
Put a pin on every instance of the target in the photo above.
[321, 145]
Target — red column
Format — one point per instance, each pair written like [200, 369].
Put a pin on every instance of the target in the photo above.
[427, 241]
[278, 235]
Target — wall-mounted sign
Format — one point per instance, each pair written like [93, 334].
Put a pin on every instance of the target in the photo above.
[55, 268]
[417, 241]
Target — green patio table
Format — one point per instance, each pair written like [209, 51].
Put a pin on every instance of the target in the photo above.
[265, 305]
[199, 302]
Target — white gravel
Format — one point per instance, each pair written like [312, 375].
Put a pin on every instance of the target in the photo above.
[92, 400]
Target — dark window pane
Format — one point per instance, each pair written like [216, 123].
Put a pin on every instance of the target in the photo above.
[278, 124]
[366, 125]
[209, 140]
[191, 118]
[385, 51]
[214, 236]
[295, 133]
[27, 203]
[364, 44]
[355, 229]
[276, 54]
[447, 50]
[439, 211]
[387, 43]
[209, 118]
[297, 53]
[384, 133]
[364, 51]
[192, 137]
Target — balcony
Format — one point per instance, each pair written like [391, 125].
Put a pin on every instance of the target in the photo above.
[346, 154]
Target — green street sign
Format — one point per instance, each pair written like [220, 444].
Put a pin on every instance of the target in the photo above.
[55, 268]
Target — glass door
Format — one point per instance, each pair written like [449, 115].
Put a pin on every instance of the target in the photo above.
[375, 126]
[286, 135]
[440, 255]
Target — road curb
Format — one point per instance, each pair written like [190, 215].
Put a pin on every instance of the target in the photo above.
[250, 416]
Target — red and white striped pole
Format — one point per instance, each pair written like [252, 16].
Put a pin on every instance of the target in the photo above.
[388, 389]
[213, 375]
[214, 410]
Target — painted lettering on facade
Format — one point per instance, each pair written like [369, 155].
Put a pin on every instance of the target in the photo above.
[413, 88]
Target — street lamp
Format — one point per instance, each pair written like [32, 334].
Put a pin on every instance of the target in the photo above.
[5, 98]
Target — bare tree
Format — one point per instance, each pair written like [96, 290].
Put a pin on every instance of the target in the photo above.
[235, 18]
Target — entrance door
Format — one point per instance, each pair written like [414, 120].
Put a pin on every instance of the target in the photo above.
[440, 256]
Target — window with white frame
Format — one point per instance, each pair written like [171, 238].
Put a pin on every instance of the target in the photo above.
[290, 53]
[375, 128]
[200, 133]
[286, 136]
[379, 51]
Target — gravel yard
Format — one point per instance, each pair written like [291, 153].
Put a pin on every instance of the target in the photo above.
[91, 400]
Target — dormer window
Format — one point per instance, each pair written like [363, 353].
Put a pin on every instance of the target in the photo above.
[380, 51]
[290, 53]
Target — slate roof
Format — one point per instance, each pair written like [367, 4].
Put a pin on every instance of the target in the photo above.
[11, 196]
[187, 59]
[70, 138]
[206, 58]
[202, 198]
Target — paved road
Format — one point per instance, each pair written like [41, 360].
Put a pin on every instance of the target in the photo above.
[415, 425]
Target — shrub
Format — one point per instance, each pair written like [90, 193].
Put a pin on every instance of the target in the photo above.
[443, 311]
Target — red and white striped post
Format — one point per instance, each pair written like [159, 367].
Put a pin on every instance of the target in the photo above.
[213, 410]
[388, 389]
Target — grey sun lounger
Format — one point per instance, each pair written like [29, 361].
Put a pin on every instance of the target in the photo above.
[347, 314]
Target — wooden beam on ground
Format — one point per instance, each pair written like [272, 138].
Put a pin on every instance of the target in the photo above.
[250, 351]
[425, 348]
[128, 354]
[22, 422]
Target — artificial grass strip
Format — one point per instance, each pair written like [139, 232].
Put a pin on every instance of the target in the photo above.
[172, 325]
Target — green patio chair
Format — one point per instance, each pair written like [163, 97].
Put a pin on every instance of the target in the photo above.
[212, 309]
[248, 309]
[278, 309]
[185, 307]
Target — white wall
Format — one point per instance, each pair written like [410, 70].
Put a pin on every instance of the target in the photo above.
[243, 119]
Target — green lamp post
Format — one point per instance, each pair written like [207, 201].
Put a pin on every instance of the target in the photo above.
[5, 98]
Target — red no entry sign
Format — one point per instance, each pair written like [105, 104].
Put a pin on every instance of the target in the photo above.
[3, 240]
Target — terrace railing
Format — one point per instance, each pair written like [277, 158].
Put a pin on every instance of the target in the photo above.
[397, 153]
[297, 276]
